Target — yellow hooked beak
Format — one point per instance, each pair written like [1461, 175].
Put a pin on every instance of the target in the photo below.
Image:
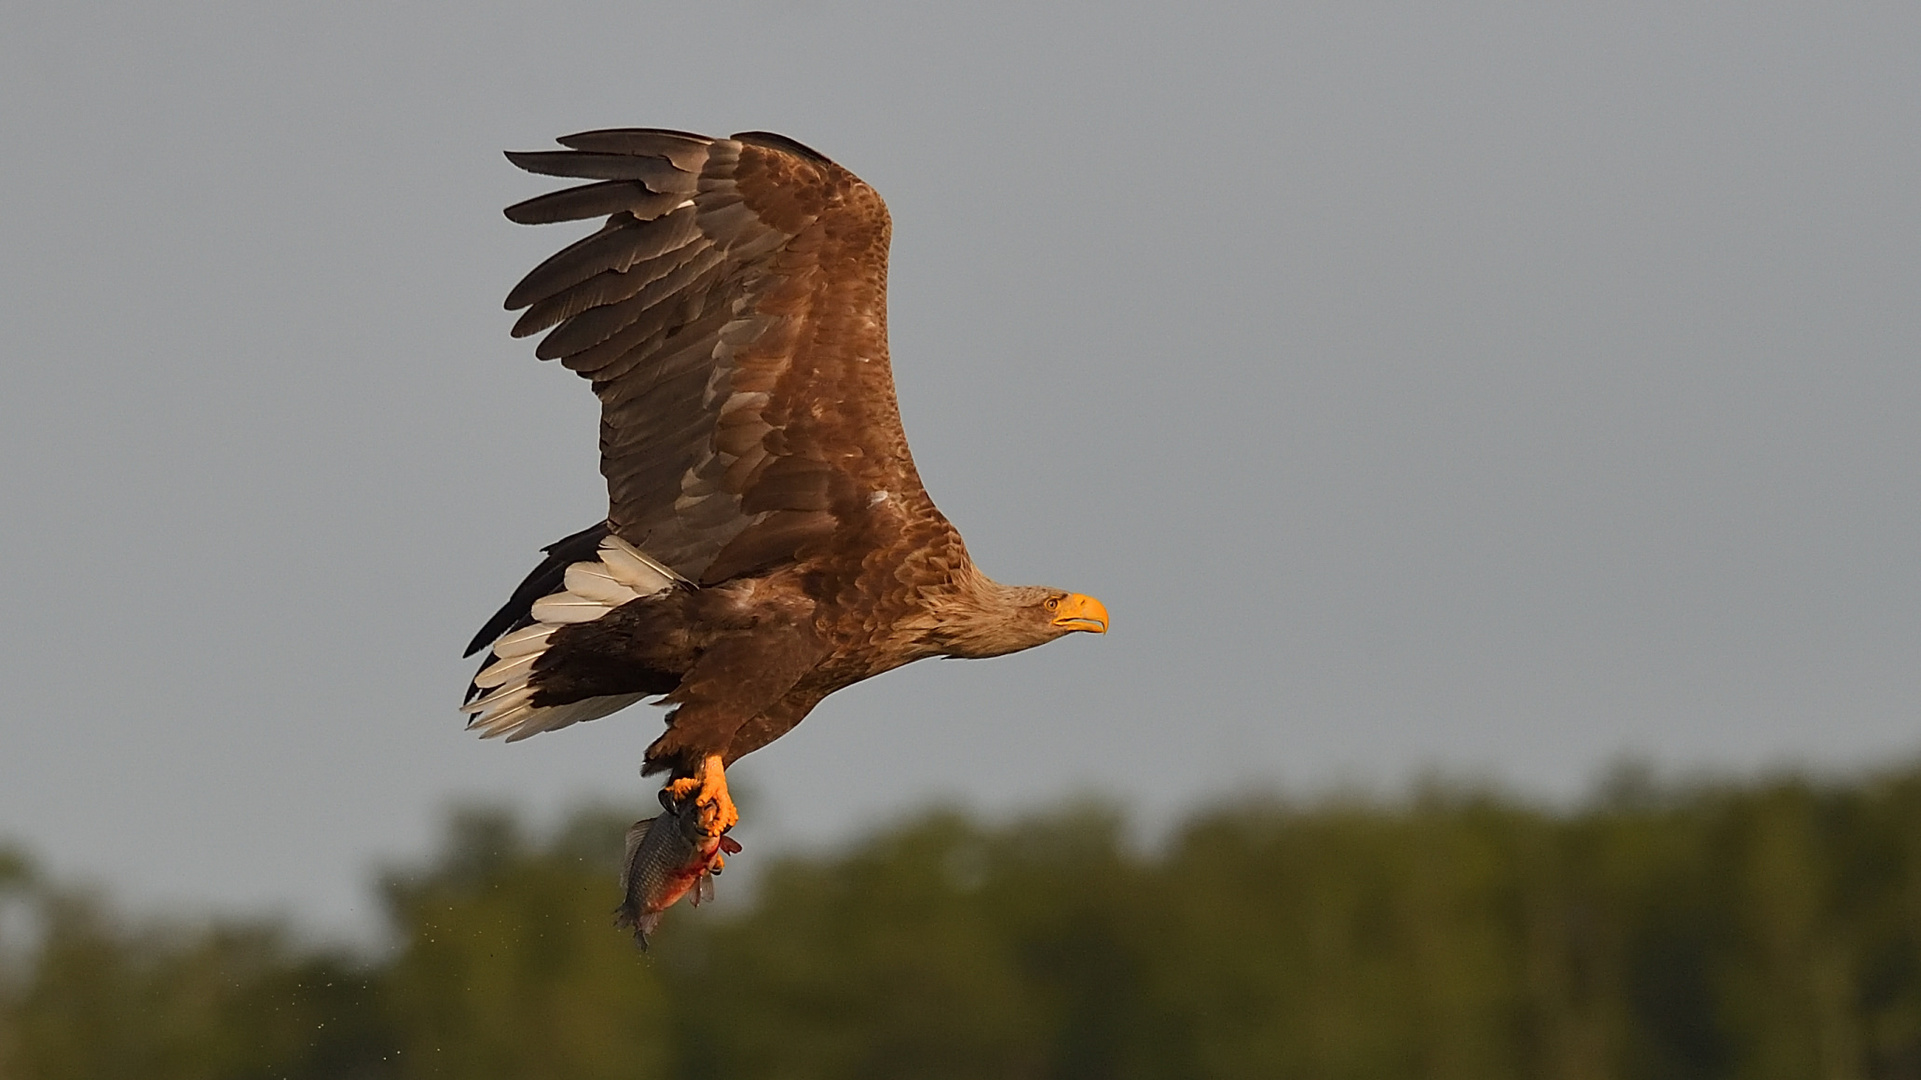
[1079, 612]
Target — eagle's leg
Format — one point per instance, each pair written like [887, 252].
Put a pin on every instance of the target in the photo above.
[708, 789]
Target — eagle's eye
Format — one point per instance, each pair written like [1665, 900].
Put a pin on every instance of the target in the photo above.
[1053, 603]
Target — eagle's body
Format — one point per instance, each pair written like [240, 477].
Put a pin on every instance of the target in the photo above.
[768, 540]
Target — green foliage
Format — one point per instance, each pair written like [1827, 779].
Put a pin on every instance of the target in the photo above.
[225, 1001]
[511, 967]
[940, 951]
[1734, 933]
[15, 871]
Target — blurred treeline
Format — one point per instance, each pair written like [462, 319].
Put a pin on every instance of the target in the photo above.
[1771, 929]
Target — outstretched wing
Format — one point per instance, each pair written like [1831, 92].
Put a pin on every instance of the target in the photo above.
[731, 314]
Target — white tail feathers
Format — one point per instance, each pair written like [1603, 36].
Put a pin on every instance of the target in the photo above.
[592, 589]
[527, 639]
[499, 673]
[519, 720]
[569, 607]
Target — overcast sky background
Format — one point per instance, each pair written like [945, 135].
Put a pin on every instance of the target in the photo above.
[1496, 388]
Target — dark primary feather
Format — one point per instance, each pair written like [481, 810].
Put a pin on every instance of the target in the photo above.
[686, 150]
[593, 200]
[620, 244]
[658, 173]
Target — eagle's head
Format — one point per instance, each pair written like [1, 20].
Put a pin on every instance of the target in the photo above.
[1067, 612]
[995, 619]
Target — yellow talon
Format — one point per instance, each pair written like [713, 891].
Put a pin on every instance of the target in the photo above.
[708, 787]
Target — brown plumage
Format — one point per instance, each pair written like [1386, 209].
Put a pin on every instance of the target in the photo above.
[767, 539]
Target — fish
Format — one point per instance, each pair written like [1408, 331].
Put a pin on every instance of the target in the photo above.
[668, 857]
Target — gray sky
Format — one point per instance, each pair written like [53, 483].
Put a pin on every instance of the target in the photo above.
[1496, 387]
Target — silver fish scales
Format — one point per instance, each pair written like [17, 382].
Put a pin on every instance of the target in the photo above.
[668, 857]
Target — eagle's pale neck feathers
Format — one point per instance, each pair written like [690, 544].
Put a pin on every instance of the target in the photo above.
[982, 618]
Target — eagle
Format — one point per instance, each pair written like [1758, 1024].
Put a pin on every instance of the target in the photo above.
[767, 539]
